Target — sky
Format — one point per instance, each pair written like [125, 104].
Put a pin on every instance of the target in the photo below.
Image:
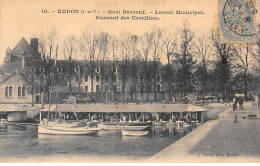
[23, 18]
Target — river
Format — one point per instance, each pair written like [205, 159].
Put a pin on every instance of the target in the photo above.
[24, 141]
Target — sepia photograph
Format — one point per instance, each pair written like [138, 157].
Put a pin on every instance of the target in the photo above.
[139, 81]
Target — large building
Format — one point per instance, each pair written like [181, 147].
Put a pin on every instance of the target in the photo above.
[24, 73]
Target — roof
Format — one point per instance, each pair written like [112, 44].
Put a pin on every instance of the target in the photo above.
[21, 75]
[9, 68]
[23, 47]
[12, 108]
[126, 108]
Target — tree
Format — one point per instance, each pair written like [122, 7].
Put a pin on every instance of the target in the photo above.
[203, 51]
[222, 65]
[112, 65]
[242, 54]
[47, 41]
[169, 46]
[125, 49]
[70, 50]
[103, 49]
[157, 50]
[186, 65]
[146, 44]
[90, 42]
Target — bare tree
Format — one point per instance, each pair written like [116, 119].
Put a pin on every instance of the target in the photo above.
[125, 49]
[90, 39]
[47, 41]
[103, 49]
[70, 50]
[146, 44]
[169, 46]
[157, 50]
[242, 54]
[203, 51]
[112, 65]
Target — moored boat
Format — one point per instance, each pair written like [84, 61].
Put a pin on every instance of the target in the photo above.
[3, 121]
[134, 133]
[134, 128]
[62, 130]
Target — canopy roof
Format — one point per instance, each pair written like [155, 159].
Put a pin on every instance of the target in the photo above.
[125, 108]
[12, 108]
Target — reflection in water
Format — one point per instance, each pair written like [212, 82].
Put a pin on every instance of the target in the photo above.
[19, 140]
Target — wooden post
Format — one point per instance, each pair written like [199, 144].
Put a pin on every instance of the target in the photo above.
[102, 117]
[172, 116]
[235, 118]
[40, 116]
[64, 116]
[129, 117]
[143, 116]
[89, 118]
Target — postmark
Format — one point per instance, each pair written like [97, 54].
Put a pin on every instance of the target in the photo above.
[237, 21]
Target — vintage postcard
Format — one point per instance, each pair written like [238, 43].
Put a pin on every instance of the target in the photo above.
[119, 81]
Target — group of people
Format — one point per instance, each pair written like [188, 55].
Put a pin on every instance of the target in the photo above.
[239, 100]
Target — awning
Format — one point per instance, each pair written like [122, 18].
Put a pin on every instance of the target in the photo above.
[125, 108]
[12, 108]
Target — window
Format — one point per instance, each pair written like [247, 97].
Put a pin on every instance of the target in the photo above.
[42, 69]
[10, 91]
[77, 78]
[106, 88]
[98, 70]
[114, 79]
[86, 78]
[86, 89]
[114, 88]
[116, 70]
[6, 91]
[59, 69]
[21, 91]
[97, 88]
[158, 78]
[158, 88]
[32, 69]
[77, 69]
[106, 78]
[32, 78]
[97, 78]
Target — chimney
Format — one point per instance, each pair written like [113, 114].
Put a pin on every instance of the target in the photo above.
[34, 44]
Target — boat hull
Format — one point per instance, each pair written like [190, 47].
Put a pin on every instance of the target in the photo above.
[65, 131]
[134, 133]
[123, 127]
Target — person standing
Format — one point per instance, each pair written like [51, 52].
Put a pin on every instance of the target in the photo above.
[241, 101]
[234, 104]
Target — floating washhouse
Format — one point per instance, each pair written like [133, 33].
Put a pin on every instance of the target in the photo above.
[13, 112]
[133, 112]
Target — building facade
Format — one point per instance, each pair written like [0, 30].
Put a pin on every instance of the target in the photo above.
[25, 74]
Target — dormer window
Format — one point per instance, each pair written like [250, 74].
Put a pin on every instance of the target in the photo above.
[59, 69]
[32, 69]
[158, 78]
[42, 69]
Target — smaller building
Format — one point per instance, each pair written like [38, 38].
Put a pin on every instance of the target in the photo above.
[13, 112]
[17, 89]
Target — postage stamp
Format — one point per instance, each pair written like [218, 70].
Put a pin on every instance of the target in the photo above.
[237, 21]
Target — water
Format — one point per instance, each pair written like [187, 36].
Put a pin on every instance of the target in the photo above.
[23, 141]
